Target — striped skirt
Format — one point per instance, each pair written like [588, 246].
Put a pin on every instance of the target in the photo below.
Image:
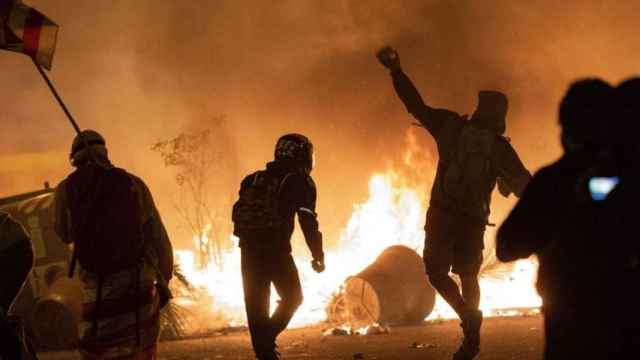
[125, 323]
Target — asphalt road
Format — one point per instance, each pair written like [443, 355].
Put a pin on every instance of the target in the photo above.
[509, 338]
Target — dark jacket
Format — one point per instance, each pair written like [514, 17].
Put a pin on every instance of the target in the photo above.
[555, 220]
[297, 196]
[587, 252]
[159, 248]
[446, 126]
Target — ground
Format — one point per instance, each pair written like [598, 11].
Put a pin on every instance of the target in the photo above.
[508, 338]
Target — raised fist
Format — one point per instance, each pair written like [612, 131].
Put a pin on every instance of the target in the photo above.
[389, 58]
[317, 265]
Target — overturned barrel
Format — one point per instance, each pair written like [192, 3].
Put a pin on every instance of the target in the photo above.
[393, 290]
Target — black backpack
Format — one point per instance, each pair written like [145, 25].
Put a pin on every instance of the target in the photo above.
[468, 172]
[258, 205]
[106, 224]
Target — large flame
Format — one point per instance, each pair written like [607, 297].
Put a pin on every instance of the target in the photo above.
[392, 215]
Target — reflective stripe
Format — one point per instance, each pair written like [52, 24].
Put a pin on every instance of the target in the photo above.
[308, 211]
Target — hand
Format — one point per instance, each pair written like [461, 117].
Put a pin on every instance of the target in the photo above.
[317, 265]
[503, 187]
[389, 58]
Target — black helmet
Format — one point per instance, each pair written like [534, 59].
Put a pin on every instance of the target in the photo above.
[295, 147]
[84, 138]
[95, 141]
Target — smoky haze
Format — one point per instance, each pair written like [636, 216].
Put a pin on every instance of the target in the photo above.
[140, 71]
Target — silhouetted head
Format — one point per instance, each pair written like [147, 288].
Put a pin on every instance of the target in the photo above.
[296, 148]
[491, 112]
[586, 114]
[627, 103]
[626, 132]
[79, 153]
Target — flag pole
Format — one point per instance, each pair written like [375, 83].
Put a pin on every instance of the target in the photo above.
[57, 96]
[72, 265]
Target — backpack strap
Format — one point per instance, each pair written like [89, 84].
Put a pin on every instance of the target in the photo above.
[280, 186]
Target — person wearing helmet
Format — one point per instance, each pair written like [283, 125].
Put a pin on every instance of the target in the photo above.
[263, 220]
[474, 156]
[119, 244]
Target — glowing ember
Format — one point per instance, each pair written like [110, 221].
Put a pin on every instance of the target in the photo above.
[392, 215]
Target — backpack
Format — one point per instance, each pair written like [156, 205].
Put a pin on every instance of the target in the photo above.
[469, 167]
[106, 224]
[258, 205]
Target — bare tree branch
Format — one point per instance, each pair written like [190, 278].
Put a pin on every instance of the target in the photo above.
[198, 163]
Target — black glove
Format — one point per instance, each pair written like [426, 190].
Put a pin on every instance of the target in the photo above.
[389, 58]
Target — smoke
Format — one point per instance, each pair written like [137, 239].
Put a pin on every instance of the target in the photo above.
[145, 70]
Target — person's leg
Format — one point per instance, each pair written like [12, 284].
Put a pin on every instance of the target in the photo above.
[438, 258]
[287, 284]
[470, 291]
[257, 291]
[448, 289]
[467, 262]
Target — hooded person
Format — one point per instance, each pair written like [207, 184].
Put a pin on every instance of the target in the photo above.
[122, 251]
[474, 156]
[263, 219]
[566, 218]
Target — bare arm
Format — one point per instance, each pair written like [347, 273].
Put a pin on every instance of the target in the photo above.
[430, 118]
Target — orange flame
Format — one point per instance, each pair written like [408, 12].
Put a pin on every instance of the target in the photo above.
[392, 215]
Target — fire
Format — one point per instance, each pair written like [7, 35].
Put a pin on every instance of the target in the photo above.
[393, 214]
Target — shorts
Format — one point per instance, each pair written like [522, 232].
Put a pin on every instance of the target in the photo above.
[453, 243]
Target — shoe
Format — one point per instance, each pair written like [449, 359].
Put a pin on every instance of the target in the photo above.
[470, 346]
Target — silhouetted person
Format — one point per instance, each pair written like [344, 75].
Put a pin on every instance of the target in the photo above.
[264, 221]
[122, 251]
[561, 218]
[473, 157]
[621, 228]
[16, 261]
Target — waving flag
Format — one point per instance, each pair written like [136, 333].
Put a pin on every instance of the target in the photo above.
[25, 30]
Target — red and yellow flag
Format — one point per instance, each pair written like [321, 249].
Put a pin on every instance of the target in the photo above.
[25, 30]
